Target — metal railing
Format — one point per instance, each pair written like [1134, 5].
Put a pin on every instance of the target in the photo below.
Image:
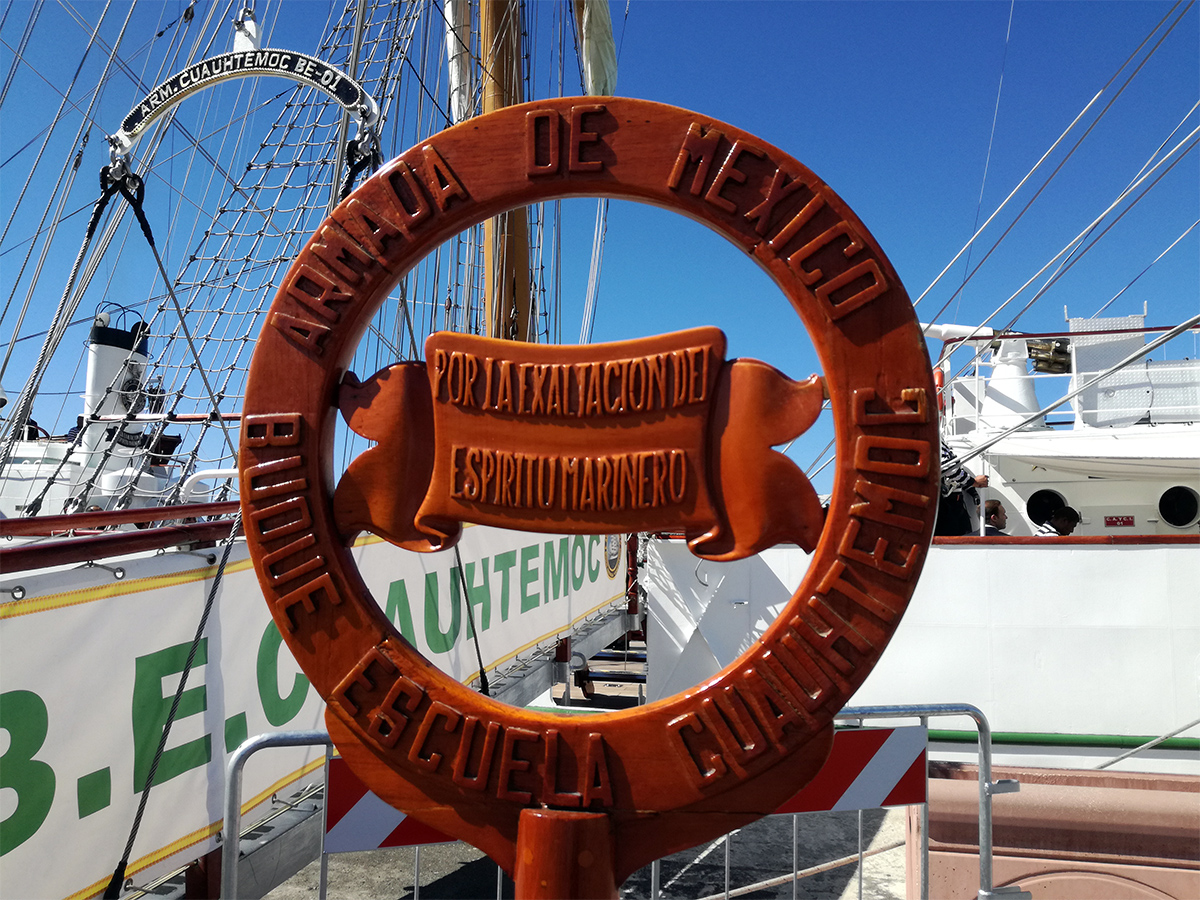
[232, 829]
[987, 789]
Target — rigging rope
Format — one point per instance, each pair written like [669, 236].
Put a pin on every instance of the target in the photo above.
[24, 405]
[1068, 251]
[360, 13]
[362, 154]
[68, 174]
[19, 51]
[1149, 744]
[1144, 174]
[1073, 244]
[1135, 278]
[593, 284]
[58, 219]
[1070, 262]
[987, 162]
[225, 284]
[1052, 148]
[1072, 257]
[115, 884]
[132, 189]
[462, 579]
[1179, 329]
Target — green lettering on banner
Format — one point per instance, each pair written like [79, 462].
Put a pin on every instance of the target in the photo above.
[480, 595]
[278, 710]
[150, 710]
[503, 563]
[398, 612]
[529, 576]
[93, 792]
[593, 571]
[23, 715]
[441, 641]
[577, 574]
[556, 576]
[236, 732]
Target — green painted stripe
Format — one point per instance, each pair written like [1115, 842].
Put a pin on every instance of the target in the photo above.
[569, 710]
[1120, 741]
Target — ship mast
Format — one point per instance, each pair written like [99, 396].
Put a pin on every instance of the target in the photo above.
[506, 300]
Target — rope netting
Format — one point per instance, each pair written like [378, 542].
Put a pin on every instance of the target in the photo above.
[237, 178]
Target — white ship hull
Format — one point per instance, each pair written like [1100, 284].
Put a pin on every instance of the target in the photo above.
[1085, 649]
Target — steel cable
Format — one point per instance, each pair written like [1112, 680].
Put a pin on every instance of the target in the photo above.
[115, 884]
[1051, 149]
[24, 403]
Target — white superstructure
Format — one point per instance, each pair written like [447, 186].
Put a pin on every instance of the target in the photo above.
[1076, 648]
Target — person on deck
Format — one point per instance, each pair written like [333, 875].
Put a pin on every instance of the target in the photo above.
[73, 432]
[957, 485]
[1060, 524]
[995, 519]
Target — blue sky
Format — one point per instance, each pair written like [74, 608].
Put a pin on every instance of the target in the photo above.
[891, 103]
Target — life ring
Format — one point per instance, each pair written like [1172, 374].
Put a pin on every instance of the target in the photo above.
[695, 765]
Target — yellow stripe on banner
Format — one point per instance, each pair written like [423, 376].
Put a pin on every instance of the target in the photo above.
[197, 836]
[579, 618]
[549, 634]
[49, 602]
[30, 605]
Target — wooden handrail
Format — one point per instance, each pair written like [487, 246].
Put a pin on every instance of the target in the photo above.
[84, 548]
[975, 540]
[48, 525]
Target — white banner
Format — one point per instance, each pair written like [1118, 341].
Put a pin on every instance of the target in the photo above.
[89, 665]
[524, 589]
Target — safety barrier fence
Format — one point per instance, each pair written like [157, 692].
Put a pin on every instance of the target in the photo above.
[869, 769]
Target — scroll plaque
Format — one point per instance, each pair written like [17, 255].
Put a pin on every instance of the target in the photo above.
[606, 437]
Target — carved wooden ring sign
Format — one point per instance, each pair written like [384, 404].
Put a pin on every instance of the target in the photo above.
[661, 432]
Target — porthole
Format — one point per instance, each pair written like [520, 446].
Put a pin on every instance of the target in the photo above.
[1179, 506]
[1042, 505]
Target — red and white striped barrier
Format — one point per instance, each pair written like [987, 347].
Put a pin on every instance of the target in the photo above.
[356, 819]
[869, 768]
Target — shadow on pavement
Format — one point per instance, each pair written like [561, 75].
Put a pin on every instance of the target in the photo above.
[474, 880]
[762, 851]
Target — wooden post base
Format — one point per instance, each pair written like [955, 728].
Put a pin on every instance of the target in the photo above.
[564, 855]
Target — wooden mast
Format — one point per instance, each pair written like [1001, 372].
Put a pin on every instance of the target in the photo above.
[505, 237]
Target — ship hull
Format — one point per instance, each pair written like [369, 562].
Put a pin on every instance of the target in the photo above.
[1076, 650]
